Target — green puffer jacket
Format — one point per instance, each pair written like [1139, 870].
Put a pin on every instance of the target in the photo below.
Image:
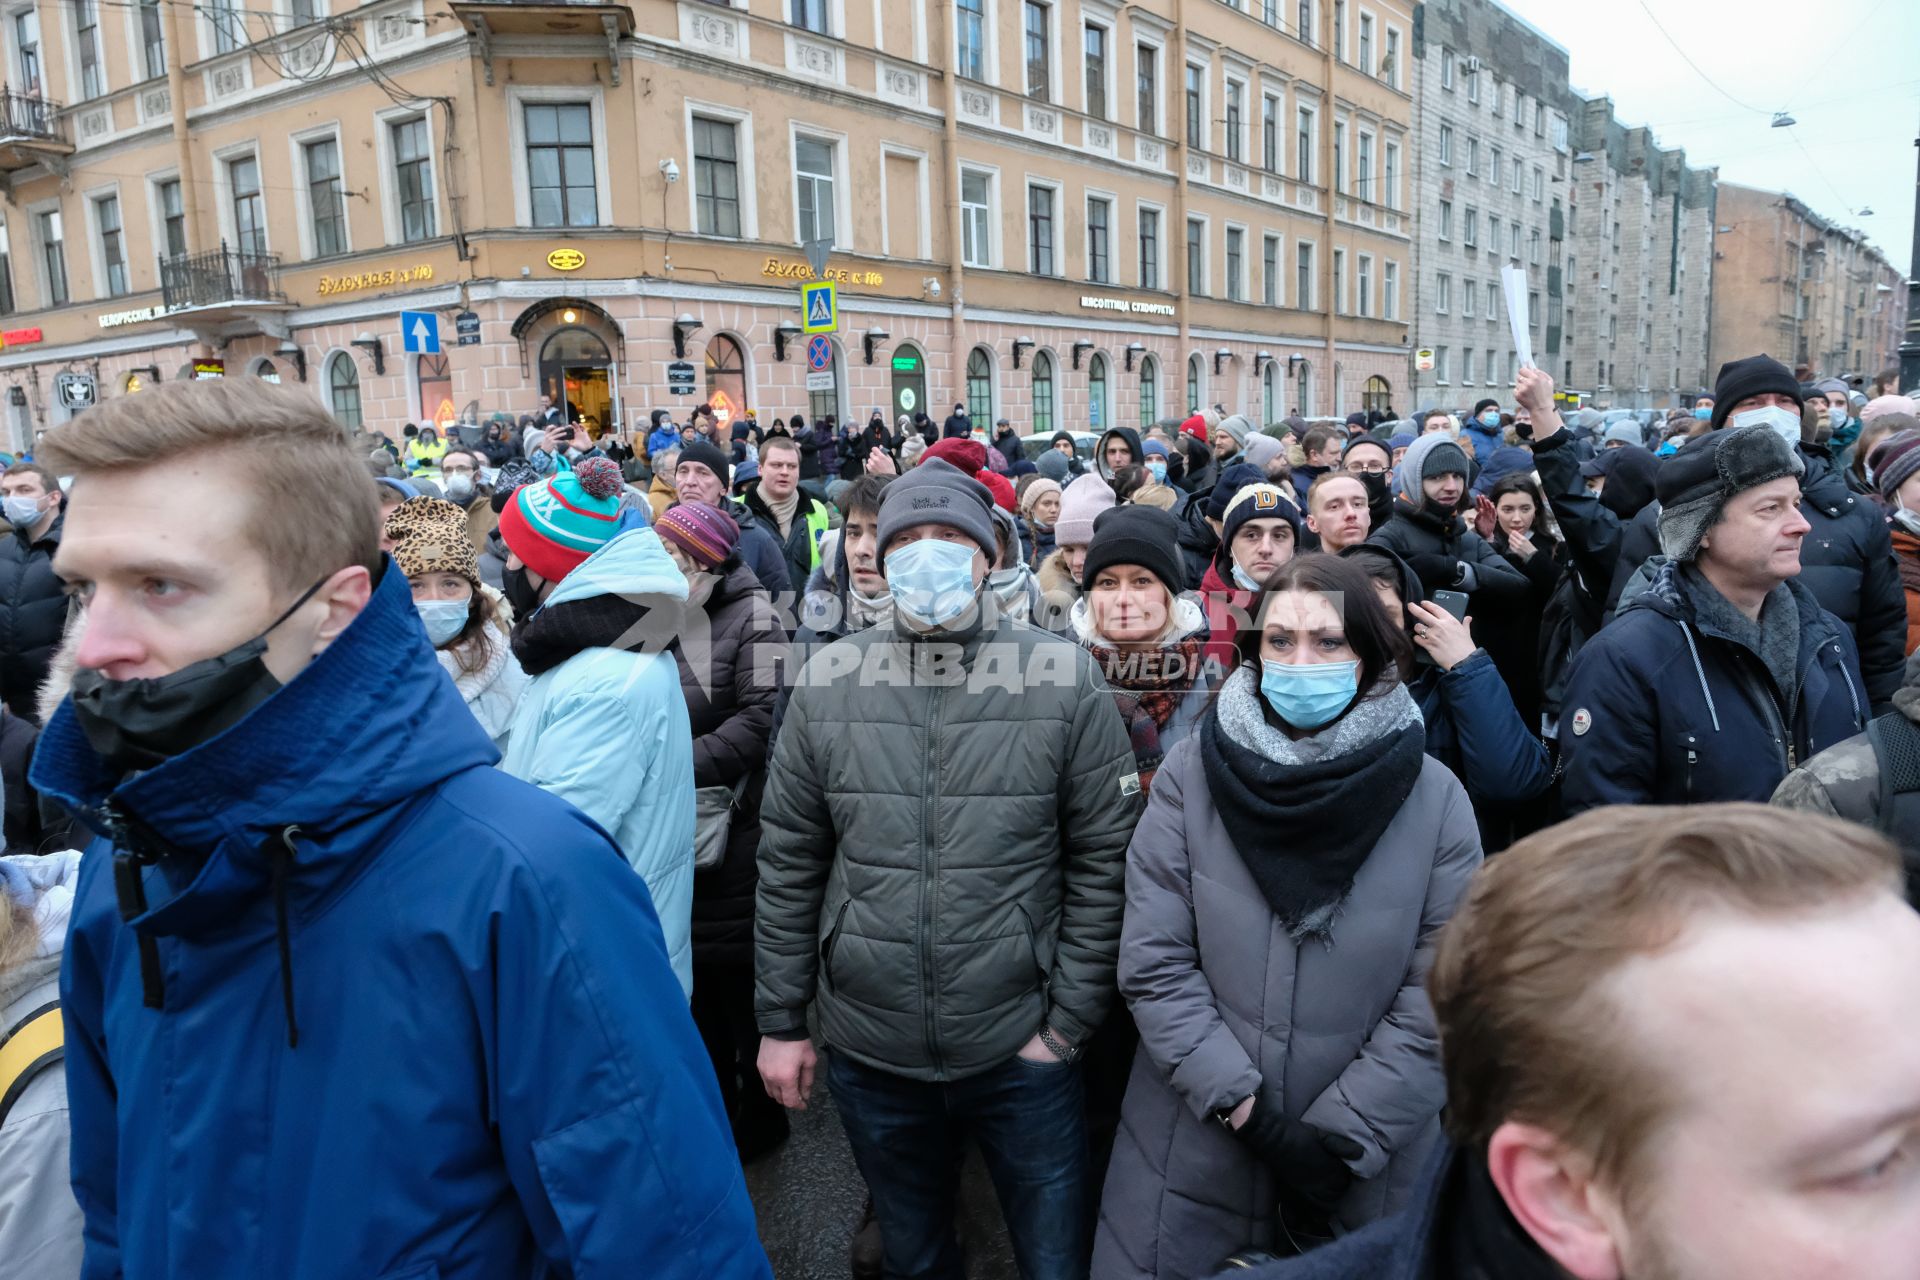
[943, 849]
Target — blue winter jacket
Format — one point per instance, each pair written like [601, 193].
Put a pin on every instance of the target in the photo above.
[496, 1075]
[607, 731]
[1664, 708]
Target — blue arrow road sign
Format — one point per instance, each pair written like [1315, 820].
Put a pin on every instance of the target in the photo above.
[420, 331]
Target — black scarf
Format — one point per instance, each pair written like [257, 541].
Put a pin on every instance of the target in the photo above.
[1304, 829]
[557, 632]
[1483, 1240]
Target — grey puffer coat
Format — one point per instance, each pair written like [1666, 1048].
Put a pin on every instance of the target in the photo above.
[943, 914]
[1339, 1035]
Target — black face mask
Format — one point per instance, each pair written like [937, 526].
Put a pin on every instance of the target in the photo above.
[141, 723]
[1379, 495]
[520, 593]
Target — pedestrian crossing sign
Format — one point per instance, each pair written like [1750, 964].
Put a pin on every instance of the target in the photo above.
[820, 307]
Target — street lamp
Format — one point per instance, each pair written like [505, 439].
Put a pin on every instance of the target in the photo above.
[685, 325]
[870, 338]
[786, 332]
[1020, 345]
[1134, 349]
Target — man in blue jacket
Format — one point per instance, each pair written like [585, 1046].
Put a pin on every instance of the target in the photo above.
[343, 1000]
[1724, 673]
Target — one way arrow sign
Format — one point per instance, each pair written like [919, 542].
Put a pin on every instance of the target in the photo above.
[420, 331]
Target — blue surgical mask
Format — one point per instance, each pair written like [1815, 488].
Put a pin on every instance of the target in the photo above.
[1489, 419]
[1309, 695]
[442, 619]
[21, 511]
[1836, 418]
[1703, 411]
[931, 580]
[1785, 423]
[1157, 469]
[1241, 580]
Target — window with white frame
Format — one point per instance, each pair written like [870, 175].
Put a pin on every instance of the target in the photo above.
[1473, 156]
[1469, 294]
[87, 52]
[1466, 366]
[976, 218]
[1304, 292]
[1496, 165]
[1236, 95]
[1493, 301]
[1446, 219]
[1340, 155]
[716, 177]
[1196, 107]
[249, 204]
[1470, 228]
[1363, 167]
[1533, 246]
[813, 184]
[1391, 63]
[326, 205]
[1390, 178]
[173, 217]
[7, 301]
[1446, 145]
[53, 257]
[1440, 363]
[1270, 270]
[1094, 68]
[1390, 290]
[1519, 178]
[1099, 239]
[1146, 88]
[1149, 248]
[229, 25]
[26, 51]
[1473, 87]
[1038, 42]
[153, 38]
[1340, 282]
[113, 244]
[1196, 258]
[1493, 233]
[1303, 21]
[1442, 293]
[809, 15]
[1499, 98]
[1303, 134]
[413, 178]
[1513, 241]
[1363, 283]
[1446, 69]
[1270, 133]
[1339, 30]
[1236, 265]
[1040, 229]
[560, 164]
[1539, 184]
[343, 390]
[970, 34]
[1367, 66]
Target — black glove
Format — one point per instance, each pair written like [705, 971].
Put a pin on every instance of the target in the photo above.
[1311, 1163]
[1436, 572]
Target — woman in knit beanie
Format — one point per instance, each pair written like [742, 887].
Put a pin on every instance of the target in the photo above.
[552, 526]
[1039, 507]
[468, 623]
[1895, 464]
[1081, 501]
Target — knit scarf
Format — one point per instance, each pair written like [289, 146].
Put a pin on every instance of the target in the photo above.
[1304, 814]
[557, 632]
[782, 511]
[1148, 687]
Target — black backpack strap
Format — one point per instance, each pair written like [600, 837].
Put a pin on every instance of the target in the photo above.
[36, 1042]
[1896, 745]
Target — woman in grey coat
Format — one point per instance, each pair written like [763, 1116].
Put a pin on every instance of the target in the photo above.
[1297, 857]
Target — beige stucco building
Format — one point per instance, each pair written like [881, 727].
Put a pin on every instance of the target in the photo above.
[1067, 212]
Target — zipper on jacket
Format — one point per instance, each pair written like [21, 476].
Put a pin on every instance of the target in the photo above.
[1693, 758]
[929, 872]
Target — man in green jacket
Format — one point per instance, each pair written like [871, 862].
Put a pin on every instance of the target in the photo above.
[942, 872]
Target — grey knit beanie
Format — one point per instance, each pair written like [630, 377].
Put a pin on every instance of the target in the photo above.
[936, 492]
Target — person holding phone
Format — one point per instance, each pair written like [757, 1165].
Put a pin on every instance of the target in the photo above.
[1473, 726]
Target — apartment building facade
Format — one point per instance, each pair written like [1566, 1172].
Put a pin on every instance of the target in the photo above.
[1813, 294]
[1491, 102]
[1071, 213]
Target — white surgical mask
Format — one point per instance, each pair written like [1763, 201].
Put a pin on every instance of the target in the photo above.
[21, 511]
[1836, 418]
[932, 580]
[442, 619]
[1784, 422]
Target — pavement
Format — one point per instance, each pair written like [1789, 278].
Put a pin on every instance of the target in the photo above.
[809, 1194]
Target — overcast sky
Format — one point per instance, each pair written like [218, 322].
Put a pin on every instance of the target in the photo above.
[1847, 70]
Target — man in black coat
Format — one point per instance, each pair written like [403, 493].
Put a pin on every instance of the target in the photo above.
[1427, 532]
[33, 602]
[1752, 969]
[958, 426]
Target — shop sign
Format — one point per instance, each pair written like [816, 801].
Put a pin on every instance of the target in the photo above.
[1423, 359]
[566, 259]
[1132, 306]
[466, 327]
[19, 337]
[114, 319]
[680, 378]
[906, 364]
[787, 269]
[207, 370]
[375, 279]
[76, 390]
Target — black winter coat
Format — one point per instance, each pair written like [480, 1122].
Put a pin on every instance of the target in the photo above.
[1198, 541]
[730, 679]
[1415, 533]
[1664, 708]
[760, 548]
[33, 613]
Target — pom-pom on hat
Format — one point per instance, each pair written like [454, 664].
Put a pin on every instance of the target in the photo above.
[554, 525]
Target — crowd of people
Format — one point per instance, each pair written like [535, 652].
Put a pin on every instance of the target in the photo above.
[1331, 851]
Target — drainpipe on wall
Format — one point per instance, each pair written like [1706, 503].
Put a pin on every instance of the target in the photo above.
[1330, 169]
[956, 267]
[178, 30]
[1177, 233]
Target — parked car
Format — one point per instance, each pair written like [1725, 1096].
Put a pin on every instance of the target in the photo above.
[1083, 441]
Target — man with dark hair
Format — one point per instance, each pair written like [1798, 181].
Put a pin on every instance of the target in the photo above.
[1321, 450]
[33, 603]
[312, 873]
[797, 519]
[1679, 1044]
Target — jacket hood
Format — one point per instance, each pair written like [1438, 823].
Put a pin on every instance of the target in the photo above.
[632, 563]
[1128, 434]
[369, 725]
[1411, 592]
[1629, 486]
[1410, 475]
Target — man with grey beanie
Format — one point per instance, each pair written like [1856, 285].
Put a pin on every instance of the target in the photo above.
[1724, 673]
[955, 939]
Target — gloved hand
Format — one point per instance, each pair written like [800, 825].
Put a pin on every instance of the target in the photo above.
[1313, 1164]
[1436, 572]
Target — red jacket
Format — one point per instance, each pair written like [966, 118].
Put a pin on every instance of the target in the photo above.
[1226, 607]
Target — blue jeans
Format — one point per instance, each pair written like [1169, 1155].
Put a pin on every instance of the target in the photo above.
[908, 1136]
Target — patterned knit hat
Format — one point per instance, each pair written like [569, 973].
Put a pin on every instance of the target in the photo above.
[516, 473]
[556, 524]
[430, 536]
[1893, 462]
[706, 534]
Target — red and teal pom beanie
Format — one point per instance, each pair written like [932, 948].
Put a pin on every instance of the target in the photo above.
[555, 524]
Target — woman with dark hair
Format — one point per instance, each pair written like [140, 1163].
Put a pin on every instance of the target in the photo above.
[1284, 889]
[1514, 513]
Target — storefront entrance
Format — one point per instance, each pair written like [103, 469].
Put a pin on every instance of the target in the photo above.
[909, 382]
[576, 370]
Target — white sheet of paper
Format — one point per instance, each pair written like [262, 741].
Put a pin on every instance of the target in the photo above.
[1514, 281]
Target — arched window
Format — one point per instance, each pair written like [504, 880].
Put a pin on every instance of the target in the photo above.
[264, 370]
[1149, 391]
[1269, 395]
[1303, 390]
[1097, 393]
[1196, 377]
[726, 379]
[1043, 393]
[436, 389]
[1376, 396]
[980, 386]
[343, 387]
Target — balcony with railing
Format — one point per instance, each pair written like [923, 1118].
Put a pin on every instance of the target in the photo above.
[223, 278]
[32, 131]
